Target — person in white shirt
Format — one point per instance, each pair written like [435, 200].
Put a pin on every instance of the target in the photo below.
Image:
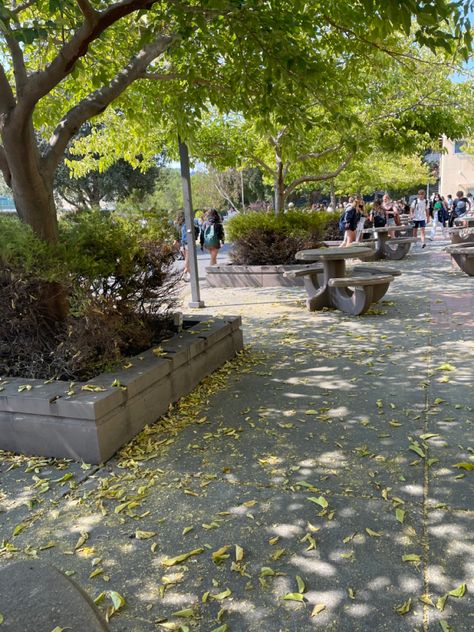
[420, 214]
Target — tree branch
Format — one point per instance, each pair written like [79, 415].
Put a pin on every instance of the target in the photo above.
[18, 59]
[4, 168]
[316, 155]
[98, 101]
[319, 178]
[42, 82]
[7, 99]
[88, 11]
[223, 194]
[263, 164]
[22, 7]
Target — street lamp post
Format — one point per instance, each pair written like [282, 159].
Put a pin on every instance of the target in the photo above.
[189, 220]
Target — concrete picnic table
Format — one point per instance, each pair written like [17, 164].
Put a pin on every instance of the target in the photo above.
[461, 234]
[387, 247]
[466, 221]
[463, 255]
[327, 285]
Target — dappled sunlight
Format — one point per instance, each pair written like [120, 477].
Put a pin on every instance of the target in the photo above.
[315, 566]
[331, 458]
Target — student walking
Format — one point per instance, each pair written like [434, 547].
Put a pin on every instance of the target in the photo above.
[212, 235]
[183, 244]
[420, 215]
[440, 215]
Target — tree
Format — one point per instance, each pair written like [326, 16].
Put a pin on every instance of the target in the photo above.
[68, 60]
[116, 183]
[403, 114]
[378, 171]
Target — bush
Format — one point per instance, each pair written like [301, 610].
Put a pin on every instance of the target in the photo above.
[269, 239]
[120, 288]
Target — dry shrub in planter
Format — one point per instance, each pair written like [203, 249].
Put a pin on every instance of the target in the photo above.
[269, 239]
[119, 285]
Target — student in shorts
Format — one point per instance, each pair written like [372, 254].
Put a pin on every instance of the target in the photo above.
[420, 214]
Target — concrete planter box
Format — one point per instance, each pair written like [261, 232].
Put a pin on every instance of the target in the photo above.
[251, 276]
[92, 426]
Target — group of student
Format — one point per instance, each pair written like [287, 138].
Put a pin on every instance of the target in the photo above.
[386, 212]
[209, 232]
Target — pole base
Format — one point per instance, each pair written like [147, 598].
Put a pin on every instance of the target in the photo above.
[196, 304]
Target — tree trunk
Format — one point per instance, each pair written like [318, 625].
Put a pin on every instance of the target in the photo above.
[279, 189]
[32, 192]
[333, 196]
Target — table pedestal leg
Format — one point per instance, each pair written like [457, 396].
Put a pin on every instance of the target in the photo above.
[379, 291]
[381, 238]
[397, 252]
[317, 285]
[317, 295]
[354, 302]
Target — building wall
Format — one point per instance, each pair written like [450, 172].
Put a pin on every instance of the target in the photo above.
[456, 170]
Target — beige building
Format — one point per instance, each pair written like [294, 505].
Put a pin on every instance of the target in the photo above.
[456, 169]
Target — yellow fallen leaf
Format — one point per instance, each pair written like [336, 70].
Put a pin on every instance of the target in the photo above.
[144, 535]
[171, 561]
[82, 540]
[239, 553]
[373, 534]
[319, 607]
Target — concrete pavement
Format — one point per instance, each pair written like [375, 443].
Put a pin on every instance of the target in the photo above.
[321, 481]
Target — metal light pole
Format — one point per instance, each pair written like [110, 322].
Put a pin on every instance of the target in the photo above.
[189, 220]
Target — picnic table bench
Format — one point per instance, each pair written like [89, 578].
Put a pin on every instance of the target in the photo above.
[327, 285]
[463, 255]
[387, 247]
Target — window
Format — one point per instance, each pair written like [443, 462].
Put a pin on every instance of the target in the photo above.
[458, 144]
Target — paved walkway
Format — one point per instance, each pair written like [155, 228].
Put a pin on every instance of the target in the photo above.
[324, 466]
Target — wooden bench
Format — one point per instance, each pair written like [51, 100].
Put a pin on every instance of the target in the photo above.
[368, 288]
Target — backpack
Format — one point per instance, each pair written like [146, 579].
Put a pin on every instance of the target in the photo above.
[459, 208]
[211, 237]
[342, 222]
[379, 221]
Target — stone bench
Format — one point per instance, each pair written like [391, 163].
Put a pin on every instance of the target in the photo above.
[302, 272]
[368, 288]
[376, 270]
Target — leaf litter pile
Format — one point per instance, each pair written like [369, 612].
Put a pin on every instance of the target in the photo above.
[248, 509]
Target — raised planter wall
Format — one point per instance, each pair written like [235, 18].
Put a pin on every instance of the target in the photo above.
[251, 276]
[92, 426]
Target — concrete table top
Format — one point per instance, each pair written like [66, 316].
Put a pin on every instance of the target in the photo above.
[386, 229]
[333, 254]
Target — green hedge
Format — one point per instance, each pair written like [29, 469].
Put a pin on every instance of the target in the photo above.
[117, 278]
[291, 224]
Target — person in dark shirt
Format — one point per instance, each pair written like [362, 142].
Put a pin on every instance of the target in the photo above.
[349, 222]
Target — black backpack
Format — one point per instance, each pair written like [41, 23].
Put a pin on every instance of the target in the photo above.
[379, 221]
[342, 222]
